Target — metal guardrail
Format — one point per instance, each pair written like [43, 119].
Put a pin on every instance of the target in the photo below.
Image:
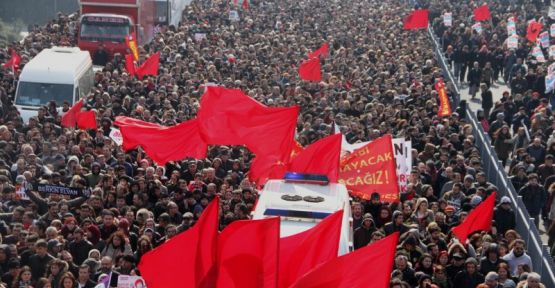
[542, 261]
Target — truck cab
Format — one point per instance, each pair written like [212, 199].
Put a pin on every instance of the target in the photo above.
[302, 206]
[107, 29]
[109, 22]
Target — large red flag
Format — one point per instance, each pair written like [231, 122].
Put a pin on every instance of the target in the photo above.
[479, 219]
[130, 65]
[229, 117]
[310, 70]
[533, 30]
[86, 119]
[248, 254]
[371, 169]
[69, 119]
[150, 66]
[417, 19]
[189, 258]
[482, 13]
[444, 105]
[14, 61]
[370, 266]
[323, 50]
[321, 157]
[302, 252]
[163, 144]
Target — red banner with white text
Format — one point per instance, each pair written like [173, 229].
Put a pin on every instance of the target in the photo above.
[371, 169]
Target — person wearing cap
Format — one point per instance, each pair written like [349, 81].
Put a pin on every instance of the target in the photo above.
[363, 234]
[491, 280]
[470, 277]
[186, 223]
[504, 216]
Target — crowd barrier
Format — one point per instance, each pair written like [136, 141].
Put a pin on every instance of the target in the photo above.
[496, 174]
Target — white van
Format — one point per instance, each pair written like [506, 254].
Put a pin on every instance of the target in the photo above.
[61, 74]
[288, 200]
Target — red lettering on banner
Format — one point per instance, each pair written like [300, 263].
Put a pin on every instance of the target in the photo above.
[371, 169]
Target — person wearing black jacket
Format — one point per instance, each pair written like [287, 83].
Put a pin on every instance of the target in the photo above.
[469, 277]
[490, 260]
[487, 99]
[39, 261]
[363, 234]
[504, 216]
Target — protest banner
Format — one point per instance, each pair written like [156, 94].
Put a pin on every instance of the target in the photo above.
[115, 135]
[371, 169]
[127, 281]
[402, 150]
[448, 19]
[62, 190]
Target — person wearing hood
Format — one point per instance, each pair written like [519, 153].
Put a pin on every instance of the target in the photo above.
[363, 234]
[95, 176]
[396, 224]
[504, 216]
[491, 259]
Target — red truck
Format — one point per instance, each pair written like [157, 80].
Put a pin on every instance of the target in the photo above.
[108, 22]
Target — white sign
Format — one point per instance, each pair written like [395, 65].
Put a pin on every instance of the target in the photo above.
[20, 191]
[200, 36]
[512, 42]
[234, 16]
[538, 53]
[448, 19]
[477, 27]
[127, 281]
[115, 135]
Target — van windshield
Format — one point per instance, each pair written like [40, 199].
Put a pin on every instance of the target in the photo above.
[38, 94]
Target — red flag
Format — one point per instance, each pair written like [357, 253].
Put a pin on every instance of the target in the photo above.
[321, 157]
[14, 61]
[86, 120]
[69, 119]
[310, 70]
[229, 117]
[417, 19]
[352, 270]
[131, 42]
[189, 258]
[163, 144]
[248, 254]
[130, 65]
[150, 66]
[302, 252]
[533, 30]
[323, 50]
[371, 169]
[444, 105]
[479, 219]
[482, 13]
[245, 5]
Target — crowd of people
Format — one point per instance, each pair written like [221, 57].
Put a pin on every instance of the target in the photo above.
[521, 124]
[378, 79]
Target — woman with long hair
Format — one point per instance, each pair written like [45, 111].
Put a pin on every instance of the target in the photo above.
[116, 245]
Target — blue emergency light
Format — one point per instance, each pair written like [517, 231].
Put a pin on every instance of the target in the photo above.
[302, 178]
